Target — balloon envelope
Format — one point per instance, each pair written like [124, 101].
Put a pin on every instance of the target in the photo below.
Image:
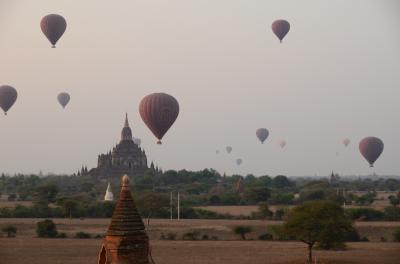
[159, 112]
[280, 28]
[63, 99]
[239, 161]
[8, 96]
[346, 142]
[371, 148]
[53, 27]
[228, 149]
[262, 134]
[282, 143]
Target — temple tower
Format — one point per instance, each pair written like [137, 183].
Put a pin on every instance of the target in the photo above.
[126, 241]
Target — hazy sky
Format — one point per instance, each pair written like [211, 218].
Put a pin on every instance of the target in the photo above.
[336, 75]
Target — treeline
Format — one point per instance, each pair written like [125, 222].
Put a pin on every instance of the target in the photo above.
[81, 196]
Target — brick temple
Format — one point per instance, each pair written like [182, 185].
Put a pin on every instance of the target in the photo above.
[126, 241]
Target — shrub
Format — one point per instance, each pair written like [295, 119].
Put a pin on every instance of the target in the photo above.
[205, 237]
[279, 214]
[397, 234]
[61, 235]
[191, 236]
[278, 233]
[82, 235]
[352, 235]
[12, 197]
[392, 213]
[171, 236]
[214, 238]
[10, 230]
[265, 236]
[242, 231]
[264, 211]
[367, 214]
[46, 228]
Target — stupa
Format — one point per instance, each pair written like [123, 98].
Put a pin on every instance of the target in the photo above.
[126, 241]
[109, 196]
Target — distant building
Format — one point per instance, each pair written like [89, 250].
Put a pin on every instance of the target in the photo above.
[334, 178]
[126, 240]
[125, 158]
[109, 196]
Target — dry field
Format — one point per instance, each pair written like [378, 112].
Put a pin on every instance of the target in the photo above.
[25, 248]
[75, 251]
[238, 210]
[13, 204]
[219, 228]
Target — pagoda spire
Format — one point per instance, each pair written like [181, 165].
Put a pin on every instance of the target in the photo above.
[126, 120]
[126, 133]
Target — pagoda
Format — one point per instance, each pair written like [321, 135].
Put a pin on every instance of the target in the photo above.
[126, 241]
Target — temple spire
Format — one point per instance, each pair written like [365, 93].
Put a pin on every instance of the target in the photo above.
[126, 133]
[126, 120]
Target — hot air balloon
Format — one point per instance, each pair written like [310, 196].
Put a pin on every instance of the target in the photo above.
[262, 134]
[159, 111]
[53, 27]
[63, 99]
[217, 151]
[280, 28]
[346, 142]
[228, 149]
[239, 162]
[137, 141]
[8, 96]
[282, 143]
[371, 148]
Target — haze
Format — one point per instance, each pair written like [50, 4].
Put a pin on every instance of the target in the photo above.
[336, 75]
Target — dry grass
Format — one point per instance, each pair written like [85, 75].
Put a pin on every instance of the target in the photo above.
[220, 228]
[28, 249]
[13, 204]
[75, 251]
[235, 210]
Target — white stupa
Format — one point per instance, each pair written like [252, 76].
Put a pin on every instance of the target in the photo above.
[109, 195]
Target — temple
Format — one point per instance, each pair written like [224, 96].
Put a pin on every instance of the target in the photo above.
[125, 158]
[126, 241]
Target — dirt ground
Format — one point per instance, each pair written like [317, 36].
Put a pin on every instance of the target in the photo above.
[78, 251]
[26, 248]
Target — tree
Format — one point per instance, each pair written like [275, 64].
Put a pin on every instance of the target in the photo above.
[151, 202]
[318, 221]
[69, 205]
[46, 194]
[397, 234]
[281, 181]
[12, 197]
[46, 228]
[257, 194]
[263, 211]
[394, 200]
[10, 230]
[242, 231]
